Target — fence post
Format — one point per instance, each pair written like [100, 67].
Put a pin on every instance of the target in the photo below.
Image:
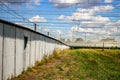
[103, 47]
[34, 27]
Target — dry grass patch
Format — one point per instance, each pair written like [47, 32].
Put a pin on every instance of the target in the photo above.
[79, 64]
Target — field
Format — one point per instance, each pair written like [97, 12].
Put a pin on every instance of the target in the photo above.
[79, 64]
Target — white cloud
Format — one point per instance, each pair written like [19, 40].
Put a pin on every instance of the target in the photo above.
[70, 3]
[69, 35]
[46, 30]
[103, 8]
[88, 30]
[79, 29]
[109, 29]
[37, 18]
[64, 3]
[100, 19]
[53, 24]
[61, 17]
[88, 14]
[88, 17]
[37, 2]
[108, 1]
[113, 24]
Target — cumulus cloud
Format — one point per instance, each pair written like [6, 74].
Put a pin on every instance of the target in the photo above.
[19, 2]
[114, 28]
[88, 14]
[103, 8]
[37, 18]
[113, 24]
[88, 20]
[46, 30]
[100, 19]
[70, 3]
[108, 1]
[61, 17]
[37, 2]
[109, 29]
[89, 30]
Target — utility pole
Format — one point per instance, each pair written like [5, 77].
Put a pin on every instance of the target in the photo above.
[72, 35]
[48, 33]
[85, 38]
[103, 47]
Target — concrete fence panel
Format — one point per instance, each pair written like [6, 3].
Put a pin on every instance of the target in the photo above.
[43, 45]
[40, 48]
[33, 45]
[27, 43]
[19, 51]
[1, 49]
[37, 47]
[9, 52]
[21, 47]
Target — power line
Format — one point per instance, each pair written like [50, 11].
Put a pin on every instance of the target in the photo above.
[14, 12]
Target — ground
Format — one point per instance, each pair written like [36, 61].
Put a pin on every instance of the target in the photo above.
[79, 64]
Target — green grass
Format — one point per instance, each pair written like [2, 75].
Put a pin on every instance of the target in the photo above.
[79, 64]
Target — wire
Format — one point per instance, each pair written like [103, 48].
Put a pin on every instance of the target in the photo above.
[23, 15]
[14, 12]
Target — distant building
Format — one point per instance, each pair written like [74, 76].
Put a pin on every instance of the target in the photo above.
[68, 40]
[79, 40]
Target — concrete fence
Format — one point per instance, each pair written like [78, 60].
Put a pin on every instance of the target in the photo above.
[21, 47]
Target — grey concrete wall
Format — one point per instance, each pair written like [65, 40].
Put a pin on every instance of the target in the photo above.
[40, 48]
[19, 51]
[27, 50]
[1, 48]
[43, 45]
[9, 51]
[15, 57]
[37, 47]
[33, 43]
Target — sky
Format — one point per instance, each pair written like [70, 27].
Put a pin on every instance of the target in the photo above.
[94, 19]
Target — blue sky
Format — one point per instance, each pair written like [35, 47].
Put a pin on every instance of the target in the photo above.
[68, 18]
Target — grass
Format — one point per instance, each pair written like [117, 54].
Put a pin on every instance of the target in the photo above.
[79, 64]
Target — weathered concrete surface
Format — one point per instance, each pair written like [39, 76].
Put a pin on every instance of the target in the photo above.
[32, 57]
[40, 48]
[1, 48]
[43, 46]
[19, 51]
[27, 49]
[14, 56]
[48, 47]
[37, 47]
[9, 52]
